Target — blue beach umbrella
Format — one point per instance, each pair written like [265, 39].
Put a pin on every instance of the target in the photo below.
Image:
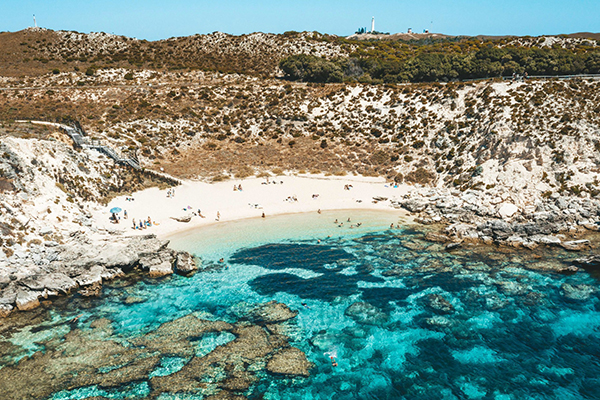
[115, 210]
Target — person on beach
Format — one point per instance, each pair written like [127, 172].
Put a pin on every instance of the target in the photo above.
[235, 188]
[133, 220]
[124, 214]
[348, 219]
[149, 221]
[263, 215]
[218, 216]
[336, 221]
[392, 226]
[240, 187]
[319, 211]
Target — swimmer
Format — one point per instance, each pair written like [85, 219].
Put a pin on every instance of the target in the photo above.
[75, 319]
[305, 305]
[333, 362]
[348, 219]
[221, 260]
[391, 226]
[336, 221]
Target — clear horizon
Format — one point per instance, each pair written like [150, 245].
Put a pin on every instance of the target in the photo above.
[154, 19]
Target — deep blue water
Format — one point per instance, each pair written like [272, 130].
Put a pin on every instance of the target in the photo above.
[404, 318]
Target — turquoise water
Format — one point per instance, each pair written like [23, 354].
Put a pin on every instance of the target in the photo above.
[403, 318]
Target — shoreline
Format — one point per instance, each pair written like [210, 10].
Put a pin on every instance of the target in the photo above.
[255, 199]
[99, 251]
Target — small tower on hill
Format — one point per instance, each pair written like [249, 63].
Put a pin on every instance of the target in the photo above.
[372, 24]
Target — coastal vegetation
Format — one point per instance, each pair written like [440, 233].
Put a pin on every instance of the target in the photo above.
[445, 60]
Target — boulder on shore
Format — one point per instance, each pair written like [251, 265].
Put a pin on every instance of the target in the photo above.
[185, 264]
[27, 299]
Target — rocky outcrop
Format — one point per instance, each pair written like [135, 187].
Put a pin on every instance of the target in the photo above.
[289, 361]
[84, 265]
[501, 217]
[157, 264]
[185, 264]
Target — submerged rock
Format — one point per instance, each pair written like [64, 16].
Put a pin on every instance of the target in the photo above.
[439, 304]
[365, 313]
[271, 312]
[438, 321]
[289, 361]
[577, 292]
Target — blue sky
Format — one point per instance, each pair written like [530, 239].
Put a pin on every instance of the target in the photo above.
[154, 19]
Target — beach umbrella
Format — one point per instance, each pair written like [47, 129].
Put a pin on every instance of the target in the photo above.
[115, 210]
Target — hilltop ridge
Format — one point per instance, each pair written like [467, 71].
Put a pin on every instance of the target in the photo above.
[37, 51]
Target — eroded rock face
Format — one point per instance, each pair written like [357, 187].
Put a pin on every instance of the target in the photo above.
[290, 361]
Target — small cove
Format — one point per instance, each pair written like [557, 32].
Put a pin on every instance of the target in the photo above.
[403, 317]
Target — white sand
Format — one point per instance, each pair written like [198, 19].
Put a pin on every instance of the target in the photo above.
[234, 205]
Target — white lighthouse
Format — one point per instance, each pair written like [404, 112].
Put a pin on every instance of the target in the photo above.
[372, 24]
[34, 21]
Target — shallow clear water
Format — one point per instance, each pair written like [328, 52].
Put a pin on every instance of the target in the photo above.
[403, 318]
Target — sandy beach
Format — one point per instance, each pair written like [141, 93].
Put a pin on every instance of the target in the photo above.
[282, 195]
